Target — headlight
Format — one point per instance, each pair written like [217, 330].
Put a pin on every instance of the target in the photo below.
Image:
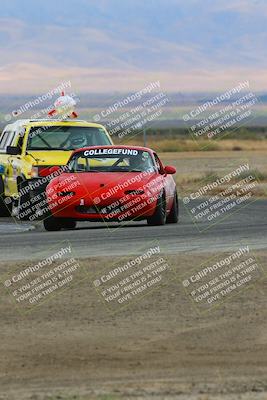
[34, 172]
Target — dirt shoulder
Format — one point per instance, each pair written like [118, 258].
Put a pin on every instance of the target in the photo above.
[160, 347]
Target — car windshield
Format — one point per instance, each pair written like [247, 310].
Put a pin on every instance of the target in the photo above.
[66, 137]
[112, 160]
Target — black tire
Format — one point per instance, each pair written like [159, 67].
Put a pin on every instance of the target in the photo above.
[24, 197]
[52, 224]
[173, 216]
[159, 216]
[68, 223]
[5, 207]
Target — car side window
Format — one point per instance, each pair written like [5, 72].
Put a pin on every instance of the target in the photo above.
[4, 140]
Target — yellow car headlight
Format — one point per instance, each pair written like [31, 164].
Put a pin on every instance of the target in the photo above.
[34, 172]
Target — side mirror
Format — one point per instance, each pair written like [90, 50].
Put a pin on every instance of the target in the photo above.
[169, 170]
[13, 150]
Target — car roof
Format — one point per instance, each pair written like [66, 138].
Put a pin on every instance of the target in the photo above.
[112, 147]
[47, 121]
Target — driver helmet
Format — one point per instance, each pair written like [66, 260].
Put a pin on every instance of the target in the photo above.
[78, 140]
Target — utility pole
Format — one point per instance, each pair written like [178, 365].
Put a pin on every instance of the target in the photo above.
[144, 136]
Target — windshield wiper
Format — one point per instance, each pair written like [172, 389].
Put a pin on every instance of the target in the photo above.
[35, 159]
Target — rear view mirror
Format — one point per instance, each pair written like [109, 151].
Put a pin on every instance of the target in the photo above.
[169, 170]
[13, 150]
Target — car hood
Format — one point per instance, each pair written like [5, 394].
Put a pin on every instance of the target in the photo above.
[113, 183]
[50, 157]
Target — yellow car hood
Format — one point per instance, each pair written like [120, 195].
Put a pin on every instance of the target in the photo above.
[50, 157]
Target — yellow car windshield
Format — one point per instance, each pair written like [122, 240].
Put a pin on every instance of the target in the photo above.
[66, 137]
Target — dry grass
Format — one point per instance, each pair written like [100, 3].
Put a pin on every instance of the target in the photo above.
[185, 145]
[211, 176]
[195, 169]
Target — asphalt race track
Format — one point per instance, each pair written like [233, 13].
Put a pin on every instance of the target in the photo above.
[247, 226]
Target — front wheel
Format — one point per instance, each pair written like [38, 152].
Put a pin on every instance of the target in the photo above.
[68, 223]
[5, 207]
[173, 216]
[52, 224]
[5, 202]
[159, 216]
[23, 211]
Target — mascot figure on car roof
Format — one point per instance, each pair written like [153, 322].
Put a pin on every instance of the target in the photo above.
[64, 106]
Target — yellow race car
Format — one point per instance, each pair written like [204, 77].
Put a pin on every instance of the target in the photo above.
[29, 149]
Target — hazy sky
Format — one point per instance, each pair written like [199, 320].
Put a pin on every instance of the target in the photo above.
[121, 45]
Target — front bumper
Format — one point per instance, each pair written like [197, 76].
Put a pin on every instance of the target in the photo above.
[136, 208]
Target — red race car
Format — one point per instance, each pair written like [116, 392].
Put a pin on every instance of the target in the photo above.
[112, 183]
